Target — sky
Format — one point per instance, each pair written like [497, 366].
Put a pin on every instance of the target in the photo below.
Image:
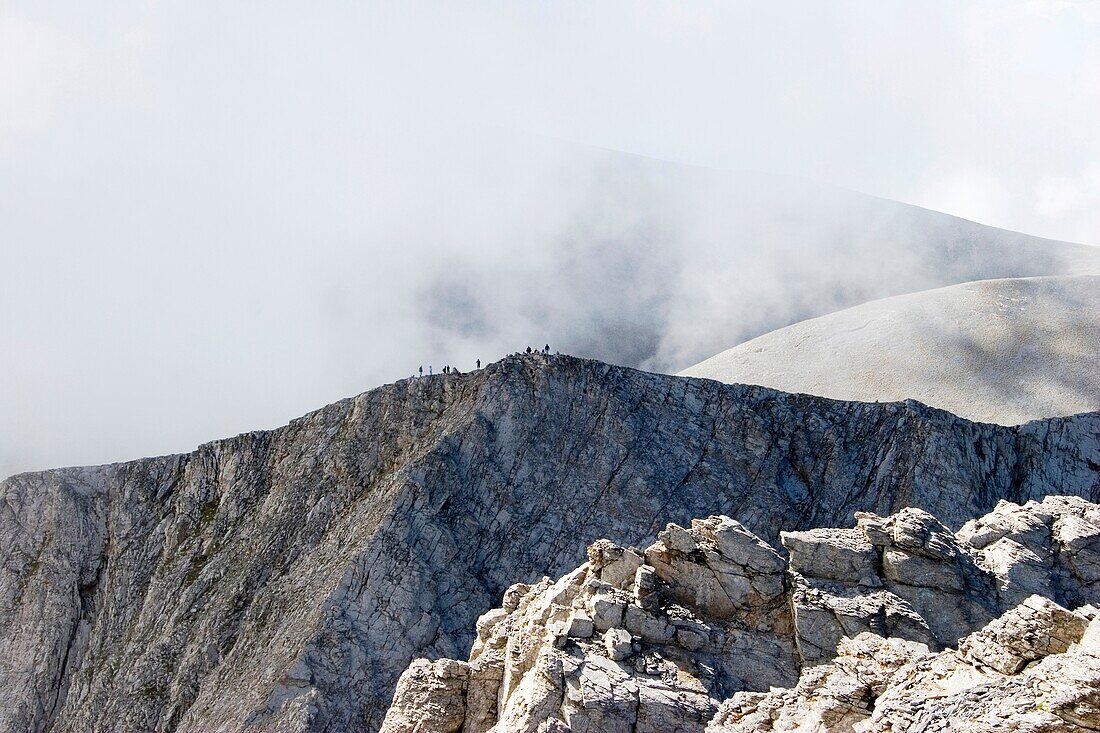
[217, 216]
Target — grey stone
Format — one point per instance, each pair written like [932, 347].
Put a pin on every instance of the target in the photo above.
[607, 611]
[917, 570]
[1036, 628]
[579, 625]
[833, 554]
[430, 696]
[918, 532]
[618, 643]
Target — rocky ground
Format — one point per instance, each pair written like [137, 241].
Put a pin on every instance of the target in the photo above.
[284, 580]
[897, 624]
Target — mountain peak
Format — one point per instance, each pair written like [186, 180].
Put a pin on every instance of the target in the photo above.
[297, 571]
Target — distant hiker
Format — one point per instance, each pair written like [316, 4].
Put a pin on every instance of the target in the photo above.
[528, 349]
[546, 349]
[479, 363]
[422, 370]
[429, 370]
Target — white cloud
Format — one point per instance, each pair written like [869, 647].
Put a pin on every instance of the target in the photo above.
[1085, 10]
[1057, 195]
[1072, 201]
[200, 193]
[38, 66]
[969, 193]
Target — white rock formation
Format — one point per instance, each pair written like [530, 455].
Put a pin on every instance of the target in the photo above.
[999, 351]
[1035, 669]
[655, 640]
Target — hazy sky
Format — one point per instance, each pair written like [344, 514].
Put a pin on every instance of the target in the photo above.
[216, 216]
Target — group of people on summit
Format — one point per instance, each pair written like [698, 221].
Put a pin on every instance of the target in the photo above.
[454, 370]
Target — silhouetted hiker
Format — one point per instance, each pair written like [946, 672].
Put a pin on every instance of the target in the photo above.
[422, 370]
[429, 370]
[479, 363]
[528, 349]
[546, 349]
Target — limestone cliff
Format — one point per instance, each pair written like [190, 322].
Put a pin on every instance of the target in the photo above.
[653, 641]
[283, 580]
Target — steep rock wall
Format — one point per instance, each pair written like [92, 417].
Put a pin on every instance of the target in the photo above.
[283, 580]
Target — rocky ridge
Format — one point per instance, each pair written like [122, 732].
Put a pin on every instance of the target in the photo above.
[895, 624]
[283, 580]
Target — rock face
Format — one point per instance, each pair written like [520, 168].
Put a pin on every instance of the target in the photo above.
[883, 685]
[631, 641]
[654, 640]
[284, 580]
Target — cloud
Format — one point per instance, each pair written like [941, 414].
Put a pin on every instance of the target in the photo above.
[1084, 10]
[1072, 200]
[214, 217]
[38, 66]
[984, 197]
[1057, 196]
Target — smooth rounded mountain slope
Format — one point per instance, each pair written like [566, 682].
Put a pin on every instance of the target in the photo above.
[1000, 351]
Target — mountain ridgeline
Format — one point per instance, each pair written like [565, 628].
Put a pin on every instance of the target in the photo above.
[283, 580]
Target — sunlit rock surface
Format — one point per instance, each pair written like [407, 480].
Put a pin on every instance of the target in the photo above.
[713, 628]
[886, 685]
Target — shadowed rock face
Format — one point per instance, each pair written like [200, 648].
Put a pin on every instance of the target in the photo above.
[283, 580]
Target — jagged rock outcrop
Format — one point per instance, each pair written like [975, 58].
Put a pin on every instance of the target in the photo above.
[630, 641]
[908, 576]
[1057, 694]
[283, 580]
[646, 641]
[1035, 669]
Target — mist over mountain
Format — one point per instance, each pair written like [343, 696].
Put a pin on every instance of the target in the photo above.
[426, 254]
[654, 263]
